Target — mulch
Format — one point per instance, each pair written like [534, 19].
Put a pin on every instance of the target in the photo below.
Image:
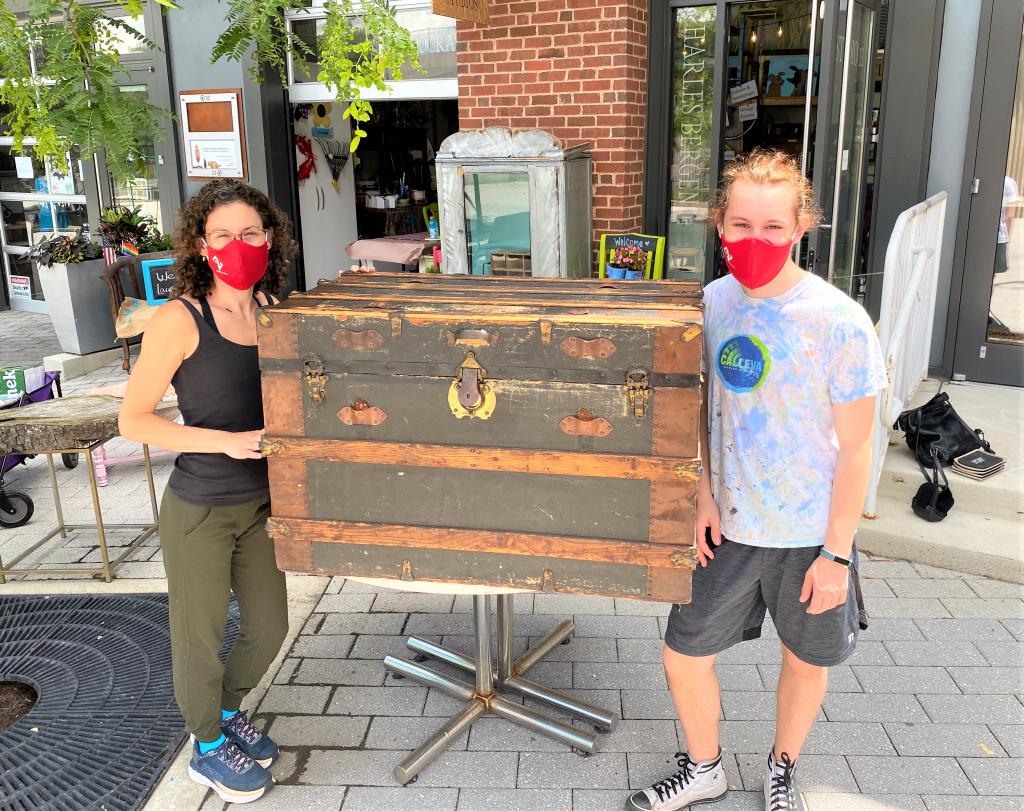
[16, 699]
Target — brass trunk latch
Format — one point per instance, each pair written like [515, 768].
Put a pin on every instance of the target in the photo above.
[469, 395]
[638, 390]
[316, 380]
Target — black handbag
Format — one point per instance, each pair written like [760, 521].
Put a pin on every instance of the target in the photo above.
[937, 435]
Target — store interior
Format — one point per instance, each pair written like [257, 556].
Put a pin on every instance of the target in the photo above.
[386, 188]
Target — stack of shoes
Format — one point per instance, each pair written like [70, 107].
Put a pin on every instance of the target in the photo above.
[978, 464]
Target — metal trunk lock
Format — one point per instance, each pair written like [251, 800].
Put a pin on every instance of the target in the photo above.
[316, 380]
[470, 395]
[638, 390]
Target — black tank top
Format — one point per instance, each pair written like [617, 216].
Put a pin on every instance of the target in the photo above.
[218, 387]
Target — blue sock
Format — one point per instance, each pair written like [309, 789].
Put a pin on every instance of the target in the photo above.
[207, 747]
[225, 715]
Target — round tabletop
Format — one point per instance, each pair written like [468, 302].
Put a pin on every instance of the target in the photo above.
[64, 424]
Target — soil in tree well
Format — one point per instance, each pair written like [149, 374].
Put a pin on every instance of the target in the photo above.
[16, 699]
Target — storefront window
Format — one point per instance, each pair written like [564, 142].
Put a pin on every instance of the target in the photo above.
[143, 190]
[693, 92]
[1006, 307]
[434, 36]
[497, 216]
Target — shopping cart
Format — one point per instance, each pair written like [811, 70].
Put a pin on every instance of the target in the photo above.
[16, 508]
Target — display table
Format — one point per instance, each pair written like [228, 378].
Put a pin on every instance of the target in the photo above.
[509, 676]
[75, 425]
[401, 250]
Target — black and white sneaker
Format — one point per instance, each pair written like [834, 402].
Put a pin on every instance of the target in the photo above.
[696, 783]
[780, 789]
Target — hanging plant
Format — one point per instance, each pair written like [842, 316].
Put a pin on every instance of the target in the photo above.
[72, 99]
[358, 49]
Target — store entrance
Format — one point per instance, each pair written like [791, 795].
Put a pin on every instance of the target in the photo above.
[795, 75]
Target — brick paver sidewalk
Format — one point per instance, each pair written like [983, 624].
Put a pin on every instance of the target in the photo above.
[926, 715]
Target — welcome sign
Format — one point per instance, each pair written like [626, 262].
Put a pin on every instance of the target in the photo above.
[159, 280]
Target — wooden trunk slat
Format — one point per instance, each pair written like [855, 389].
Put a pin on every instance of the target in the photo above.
[294, 556]
[497, 569]
[676, 417]
[673, 504]
[496, 313]
[674, 353]
[289, 486]
[401, 280]
[448, 301]
[471, 540]
[277, 334]
[669, 585]
[282, 403]
[615, 466]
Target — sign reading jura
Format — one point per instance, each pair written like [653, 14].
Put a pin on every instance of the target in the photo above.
[477, 11]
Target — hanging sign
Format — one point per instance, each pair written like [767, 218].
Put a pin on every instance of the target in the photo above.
[213, 133]
[476, 11]
[742, 92]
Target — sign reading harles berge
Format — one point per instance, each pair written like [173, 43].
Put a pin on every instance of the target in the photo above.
[477, 11]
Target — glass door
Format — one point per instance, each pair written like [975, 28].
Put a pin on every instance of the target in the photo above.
[990, 331]
[842, 185]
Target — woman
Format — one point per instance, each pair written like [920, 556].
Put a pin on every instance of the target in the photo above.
[212, 525]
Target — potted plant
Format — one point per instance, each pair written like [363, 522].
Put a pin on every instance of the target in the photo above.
[629, 262]
[122, 226]
[77, 300]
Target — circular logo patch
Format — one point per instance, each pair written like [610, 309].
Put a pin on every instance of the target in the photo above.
[743, 363]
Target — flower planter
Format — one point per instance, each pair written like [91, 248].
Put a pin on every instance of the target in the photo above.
[615, 272]
[634, 274]
[79, 305]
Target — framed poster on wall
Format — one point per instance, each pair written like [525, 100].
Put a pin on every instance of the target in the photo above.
[213, 134]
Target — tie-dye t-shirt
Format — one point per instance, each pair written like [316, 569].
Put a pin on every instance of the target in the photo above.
[775, 366]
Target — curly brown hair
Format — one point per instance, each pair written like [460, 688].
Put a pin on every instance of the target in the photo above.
[766, 167]
[194, 276]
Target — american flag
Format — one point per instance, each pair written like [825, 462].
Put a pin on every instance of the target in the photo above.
[109, 252]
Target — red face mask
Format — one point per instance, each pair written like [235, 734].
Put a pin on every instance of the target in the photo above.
[755, 262]
[238, 264]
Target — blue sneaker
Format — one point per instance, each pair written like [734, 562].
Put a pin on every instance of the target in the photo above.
[235, 776]
[249, 739]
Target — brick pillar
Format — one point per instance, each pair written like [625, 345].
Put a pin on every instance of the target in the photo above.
[576, 69]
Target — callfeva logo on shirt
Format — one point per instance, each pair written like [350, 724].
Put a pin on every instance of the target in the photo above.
[743, 363]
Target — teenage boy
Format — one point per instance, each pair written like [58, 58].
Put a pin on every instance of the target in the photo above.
[792, 369]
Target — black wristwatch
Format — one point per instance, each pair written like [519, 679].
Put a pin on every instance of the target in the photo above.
[826, 554]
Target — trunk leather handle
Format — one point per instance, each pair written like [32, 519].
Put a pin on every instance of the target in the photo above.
[361, 413]
[367, 339]
[576, 347]
[585, 424]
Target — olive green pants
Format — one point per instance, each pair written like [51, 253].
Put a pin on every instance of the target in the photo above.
[210, 552]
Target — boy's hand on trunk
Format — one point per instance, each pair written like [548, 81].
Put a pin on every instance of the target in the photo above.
[707, 516]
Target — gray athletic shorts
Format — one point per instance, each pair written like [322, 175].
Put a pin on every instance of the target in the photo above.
[731, 594]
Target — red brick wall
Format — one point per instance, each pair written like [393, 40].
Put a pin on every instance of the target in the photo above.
[576, 69]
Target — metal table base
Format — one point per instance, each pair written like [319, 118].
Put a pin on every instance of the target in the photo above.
[508, 676]
[62, 529]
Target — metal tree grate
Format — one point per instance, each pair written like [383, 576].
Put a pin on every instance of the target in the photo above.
[106, 722]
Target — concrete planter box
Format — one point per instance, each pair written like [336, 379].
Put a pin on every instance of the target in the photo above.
[79, 305]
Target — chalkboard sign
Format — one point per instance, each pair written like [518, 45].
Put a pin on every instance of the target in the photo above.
[159, 279]
[654, 246]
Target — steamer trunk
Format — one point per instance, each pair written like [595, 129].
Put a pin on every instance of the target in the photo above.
[519, 432]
